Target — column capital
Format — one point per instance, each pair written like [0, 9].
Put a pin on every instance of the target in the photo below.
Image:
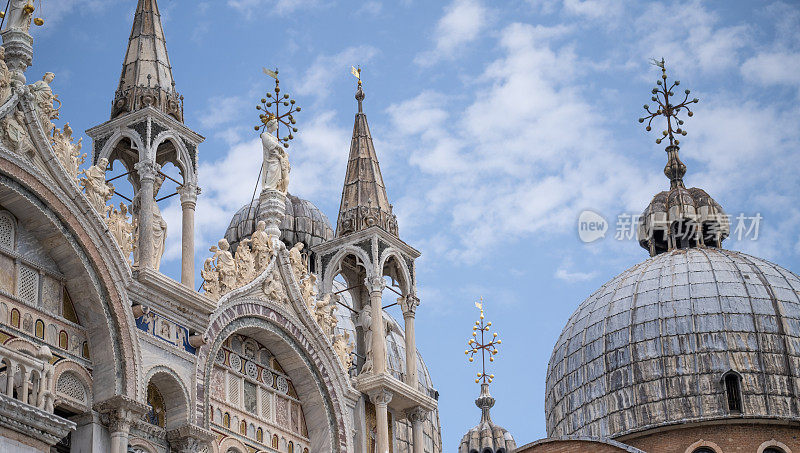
[375, 284]
[417, 414]
[120, 411]
[188, 194]
[147, 170]
[190, 439]
[380, 397]
[408, 304]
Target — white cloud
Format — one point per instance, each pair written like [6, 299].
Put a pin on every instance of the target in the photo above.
[316, 80]
[563, 273]
[773, 68]
[462, 23]
[250, 8]
[222, 110]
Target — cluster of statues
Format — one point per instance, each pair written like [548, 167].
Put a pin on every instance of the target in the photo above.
[224, 272]
[68, 152]
[123, 228]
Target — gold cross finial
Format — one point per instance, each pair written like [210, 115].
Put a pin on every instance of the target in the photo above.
[275, 102]
[484, 345]
[665, 108]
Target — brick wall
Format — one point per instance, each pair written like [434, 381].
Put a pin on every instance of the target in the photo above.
[729, 437]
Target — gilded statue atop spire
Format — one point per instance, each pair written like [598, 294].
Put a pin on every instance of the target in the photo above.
[486, 345]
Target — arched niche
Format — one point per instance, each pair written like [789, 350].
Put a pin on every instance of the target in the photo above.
[318, 388]
[174, 394]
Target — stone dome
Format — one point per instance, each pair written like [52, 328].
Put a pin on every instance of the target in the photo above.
[657, 344]
[486, 437]
[304, 223]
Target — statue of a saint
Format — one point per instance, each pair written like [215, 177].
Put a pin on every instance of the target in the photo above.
[210, 276]
[365, 321]
[261, 244]
[343, 348]
[19, 17]
[325, 313]
[275, 167]
[244, 263]
[45, 102]
[159, 226]
[121, 228]
[298, 263]
[226, 267]
[94, 184]
[68, 153]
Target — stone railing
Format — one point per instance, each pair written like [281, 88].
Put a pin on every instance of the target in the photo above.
[26, 378]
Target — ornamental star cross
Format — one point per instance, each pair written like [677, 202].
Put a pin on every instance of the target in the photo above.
[662, 95]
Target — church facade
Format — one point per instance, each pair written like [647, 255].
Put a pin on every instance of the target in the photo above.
[285, 348]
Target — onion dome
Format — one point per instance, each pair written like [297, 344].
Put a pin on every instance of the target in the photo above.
[304, 223]
[486, 437]
[689, 335]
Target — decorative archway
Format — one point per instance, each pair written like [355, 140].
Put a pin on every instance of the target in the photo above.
[317, 381]
[174, 393]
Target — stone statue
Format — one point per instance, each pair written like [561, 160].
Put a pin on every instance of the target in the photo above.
[94, 184]
[299, 267]
[5, 77]
[273, 289]
[19, 16]
[68, 153]
[275, 167]
[159, 226]
[308, 290]
[226, 267]
[15, 133]
[343, 348]
[45, 102]
[210, 276]
[261, 244]
[121, 228]
[245, 267]
[325, 313]
[365, 321]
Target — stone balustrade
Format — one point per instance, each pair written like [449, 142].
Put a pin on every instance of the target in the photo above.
[27, 378]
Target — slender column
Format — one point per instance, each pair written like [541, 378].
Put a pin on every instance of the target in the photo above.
[417, 417]
[409, 304]
[26, 380]
[188, 195]
[381, 399]
[11, 372]
[375, 285]
[147, 174]
[119, 426]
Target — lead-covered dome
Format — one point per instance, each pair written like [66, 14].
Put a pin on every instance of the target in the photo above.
[688, 335]
[304, 223]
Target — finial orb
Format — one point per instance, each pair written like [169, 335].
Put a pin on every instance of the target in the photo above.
[491, 359]
[38, 21]
[2, 14]
[690, 114]
[28, 8]
[263, 100]
[677, 82]
[269, 95]
[298, 109]
[687, 91]
[648, 128]
[476, 381]
[256, 128]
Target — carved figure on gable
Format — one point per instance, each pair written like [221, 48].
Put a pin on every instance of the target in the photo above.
[94, 184]
[226, 267]
[159, 226]
[344, 349]
[121, 228]
[261, 244]
[299, 267]
[273, 288]
[245, 266]
[68, 153]
[15, 133]
[46, 102]
[308, 290]
[5, 77]
[20, 13]
[325, 313]
[276, 162]
[210, 277]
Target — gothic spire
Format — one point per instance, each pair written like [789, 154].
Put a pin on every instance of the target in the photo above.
[364, 201]
[146, 78]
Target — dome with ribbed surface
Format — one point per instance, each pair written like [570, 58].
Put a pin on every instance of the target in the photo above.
[653, 346]
[304, 223]
[486, 437]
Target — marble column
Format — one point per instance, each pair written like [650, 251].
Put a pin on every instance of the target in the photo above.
[119, 427]
[409, 304]
[147, 175]
[188, 194]
[417, 416]
[381, 398]
[375, 285]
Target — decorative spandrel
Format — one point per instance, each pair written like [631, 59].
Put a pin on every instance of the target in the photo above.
[482, 343]
[664, 97]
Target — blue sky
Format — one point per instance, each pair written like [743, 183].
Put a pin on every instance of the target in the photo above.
[496, 124]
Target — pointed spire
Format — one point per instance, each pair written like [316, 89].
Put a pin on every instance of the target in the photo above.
[364, 201]
[146, 78]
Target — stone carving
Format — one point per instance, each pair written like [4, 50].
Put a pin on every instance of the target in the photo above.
[94, 184]
[46, 102]
[15, 133]
[261, 244]
[5, 77]
[325, 313]
[299, 267]
[19, 16]
[159, 226]
[122, 229]
[276, 162]
[210, 277]
[273, 288]
[365, 321]
[245, 266]
[68, 153]
[226, 266]
[344, 349]
[308, 290]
